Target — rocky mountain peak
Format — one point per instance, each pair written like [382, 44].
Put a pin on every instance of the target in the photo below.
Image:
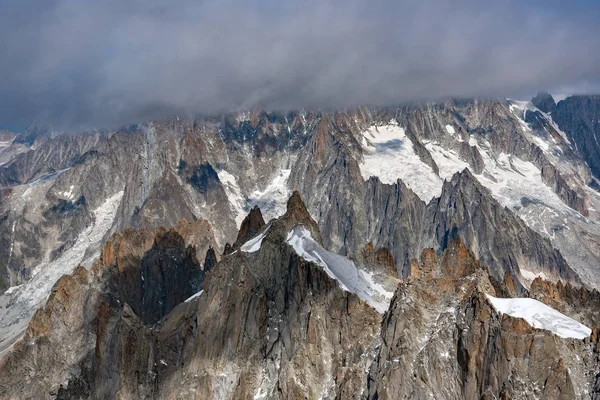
[251, 226]
[297, 214]
[295, 205]
[455, 262]
[544, 101]
[286, 313]
[378, 258]
[168, 237]
[458, 261]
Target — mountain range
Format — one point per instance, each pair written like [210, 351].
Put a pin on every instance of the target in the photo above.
[448, 249]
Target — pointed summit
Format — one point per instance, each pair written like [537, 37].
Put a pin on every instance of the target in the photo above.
[544, 101]
[297, 214]
[296, 207]
[251, 226]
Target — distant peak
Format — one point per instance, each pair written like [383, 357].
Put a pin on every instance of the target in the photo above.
[544, 101]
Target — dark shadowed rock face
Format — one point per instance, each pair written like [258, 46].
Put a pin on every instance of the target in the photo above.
[228, 249]
[579, 118]
[210, 260]
[544, 101]
[203, 177]
[167, 274]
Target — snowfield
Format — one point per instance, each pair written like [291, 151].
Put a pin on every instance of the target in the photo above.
[540, 316]
[253, 245]
[389, 154]
[349, 277]
[271, 201]
[234, 195]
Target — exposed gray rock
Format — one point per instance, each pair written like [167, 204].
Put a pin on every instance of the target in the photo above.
[579, 118]
[544, 101]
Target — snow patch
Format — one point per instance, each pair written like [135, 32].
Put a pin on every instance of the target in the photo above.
[272, 201]
[349, 277]
[450, 129]
[508, 178]
[253, 245]
[530, 276]
[69, 194]
[540, 316]
[389, 154]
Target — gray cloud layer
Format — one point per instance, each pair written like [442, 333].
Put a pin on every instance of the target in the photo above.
[99, 63]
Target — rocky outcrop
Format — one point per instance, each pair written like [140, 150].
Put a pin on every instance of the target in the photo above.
[251, 226]
[466, 210]
[576, 301]
[441, 338]
[381, 257]
[140, 277]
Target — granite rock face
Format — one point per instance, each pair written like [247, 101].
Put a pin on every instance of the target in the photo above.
[578, 117]
[442, 338]
[544, 101]
[267, 323]
[251, 226]
[270, 324]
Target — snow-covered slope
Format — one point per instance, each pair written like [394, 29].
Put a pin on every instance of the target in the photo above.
[343, 270]
[234, 195]
[18, 304]
[541, 316]
[253, 245]
[271, 200]
[389, 154]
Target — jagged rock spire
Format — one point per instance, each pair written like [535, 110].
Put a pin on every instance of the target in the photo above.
[251, 226]
[297, 214]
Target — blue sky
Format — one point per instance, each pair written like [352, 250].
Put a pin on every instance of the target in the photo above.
[78, 63]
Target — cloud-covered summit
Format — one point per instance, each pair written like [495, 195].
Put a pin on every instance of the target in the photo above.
[100, 63]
